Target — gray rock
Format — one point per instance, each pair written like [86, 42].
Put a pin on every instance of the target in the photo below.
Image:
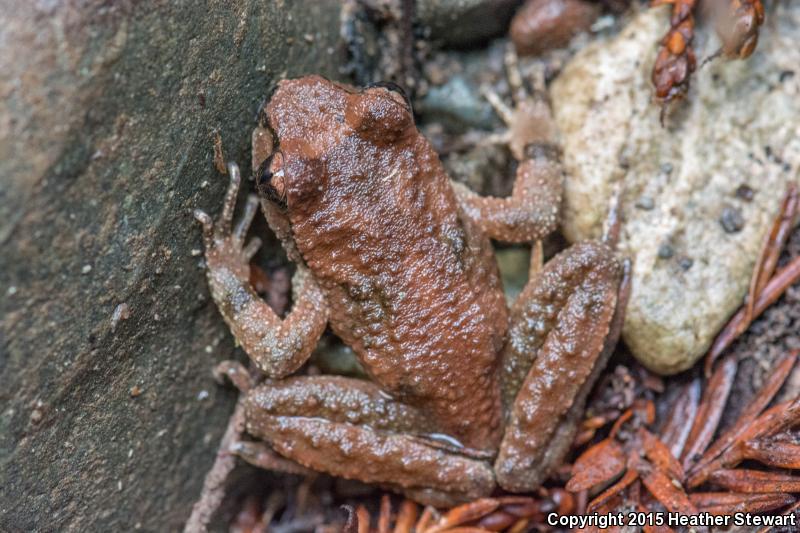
[731, 219]
[739, 130]
[110, 417]
[458, 105]
[463, 22]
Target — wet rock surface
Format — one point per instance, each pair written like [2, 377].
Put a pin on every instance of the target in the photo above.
[109, 417]
[699, 193]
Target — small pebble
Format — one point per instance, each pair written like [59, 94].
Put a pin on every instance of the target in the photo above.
[202, 395]
[685, 263]
[86, 269]
[12, 290]
[731, 219]
[745, 192]
[136, 390]
[36, 416]
[121, 312]
[665, 251]
[645, 202]
[547, 24]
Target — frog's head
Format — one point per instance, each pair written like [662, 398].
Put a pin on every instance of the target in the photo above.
[328, 138]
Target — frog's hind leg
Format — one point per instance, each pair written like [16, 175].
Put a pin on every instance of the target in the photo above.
[256, 453]
[350, 428]
[532, 210]
[278, 346]
[563, 328]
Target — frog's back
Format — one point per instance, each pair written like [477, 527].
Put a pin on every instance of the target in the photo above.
[413, 288]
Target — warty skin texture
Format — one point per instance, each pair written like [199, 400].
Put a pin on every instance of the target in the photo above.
[399, 263]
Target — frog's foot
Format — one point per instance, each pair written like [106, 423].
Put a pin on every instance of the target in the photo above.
[225, 247]
[532, 210]
[349, 428]
[568, 317]
[529, 121]
[278, 347]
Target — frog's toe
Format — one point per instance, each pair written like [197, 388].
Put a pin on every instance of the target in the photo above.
[243, 225]
[261, 455]
[236, 372]
[252, 247]
[226, 219]
[208, 226]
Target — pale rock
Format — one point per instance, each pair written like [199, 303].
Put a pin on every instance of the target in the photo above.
[739, 126]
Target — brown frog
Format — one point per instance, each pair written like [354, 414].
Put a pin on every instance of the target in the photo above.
[464, 394]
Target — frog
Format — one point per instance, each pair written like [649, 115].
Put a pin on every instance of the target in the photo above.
[465, 395]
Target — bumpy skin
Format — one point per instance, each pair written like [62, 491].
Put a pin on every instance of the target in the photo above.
[403, 270]
[564, 327]
[412, 288]
[278, 347]
[531, 212]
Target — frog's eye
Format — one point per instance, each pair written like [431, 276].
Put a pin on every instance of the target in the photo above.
[380, 113]
[395, 88]
[271, 181]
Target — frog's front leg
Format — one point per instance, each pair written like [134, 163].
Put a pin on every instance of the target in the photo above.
[532, 210]
[564, 326]
[278, 347]
[350, 428]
